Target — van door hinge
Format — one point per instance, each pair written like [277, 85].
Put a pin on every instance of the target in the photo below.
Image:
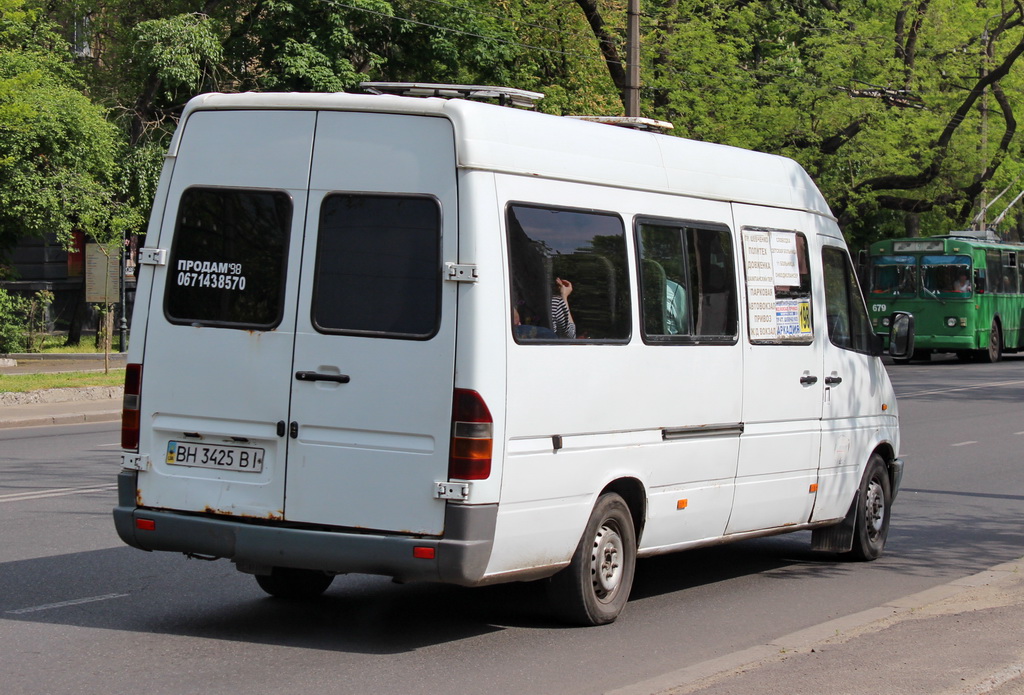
[135, 462]
[153, 256]
[451, 491]
[460, 272]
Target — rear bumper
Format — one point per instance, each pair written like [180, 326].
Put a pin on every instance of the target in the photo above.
[460, 556]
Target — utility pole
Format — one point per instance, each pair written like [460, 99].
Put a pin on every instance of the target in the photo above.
[633, 59]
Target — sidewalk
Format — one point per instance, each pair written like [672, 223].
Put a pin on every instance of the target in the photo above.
[961, 638]
[60, 413]
[59, 406]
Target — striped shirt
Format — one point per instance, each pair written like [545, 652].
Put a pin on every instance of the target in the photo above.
[560, 323]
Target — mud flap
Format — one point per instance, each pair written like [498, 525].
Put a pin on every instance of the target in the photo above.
[837, 538]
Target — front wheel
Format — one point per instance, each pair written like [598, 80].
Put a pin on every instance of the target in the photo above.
[871, 526]
[291, 583]
[994, 353]
[595, 586]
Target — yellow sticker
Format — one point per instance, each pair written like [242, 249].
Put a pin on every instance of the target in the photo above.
[805, 317]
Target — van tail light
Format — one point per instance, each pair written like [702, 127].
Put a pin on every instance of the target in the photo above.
[130, 413]
[472, 437]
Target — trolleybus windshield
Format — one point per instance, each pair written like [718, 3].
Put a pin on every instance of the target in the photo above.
[894, 276]
[946, 276]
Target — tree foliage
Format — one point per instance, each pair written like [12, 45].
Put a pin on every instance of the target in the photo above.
[904, 111]
[58, 152]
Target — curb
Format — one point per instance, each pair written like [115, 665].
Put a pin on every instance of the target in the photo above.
[50, 420]
[61, 406]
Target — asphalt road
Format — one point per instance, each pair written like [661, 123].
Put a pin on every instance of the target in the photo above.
[81, 613]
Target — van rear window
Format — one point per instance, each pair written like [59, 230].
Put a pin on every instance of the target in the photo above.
[228, 258]
[378, 266]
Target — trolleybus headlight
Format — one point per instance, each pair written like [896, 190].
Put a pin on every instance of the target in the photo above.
[951, 321]
[885, 321]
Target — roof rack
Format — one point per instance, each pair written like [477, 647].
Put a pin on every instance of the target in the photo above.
[506, 96]
[635, 122]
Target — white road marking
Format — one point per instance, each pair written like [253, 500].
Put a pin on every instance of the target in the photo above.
[59, 492]
[62, 604]
[960, 388]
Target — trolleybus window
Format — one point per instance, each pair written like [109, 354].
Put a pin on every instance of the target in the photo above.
[946, 276]
[894, 276]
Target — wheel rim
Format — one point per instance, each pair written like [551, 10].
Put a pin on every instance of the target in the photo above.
[994, 343]
[606, 561]
[874, 510]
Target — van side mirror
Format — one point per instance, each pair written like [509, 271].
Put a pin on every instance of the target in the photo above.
[901, 335]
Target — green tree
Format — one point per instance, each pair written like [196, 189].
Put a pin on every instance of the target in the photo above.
[902, 110]
[58, 152]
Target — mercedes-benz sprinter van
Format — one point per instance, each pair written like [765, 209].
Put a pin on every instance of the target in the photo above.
[438, 339]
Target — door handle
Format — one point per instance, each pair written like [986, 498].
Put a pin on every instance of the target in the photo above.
[833, 380]
[319, 376]
[808, 380]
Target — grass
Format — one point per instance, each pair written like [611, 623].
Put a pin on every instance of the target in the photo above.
[19, 383]
[56, 344]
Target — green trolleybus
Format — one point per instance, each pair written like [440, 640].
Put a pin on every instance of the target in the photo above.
[964, 290]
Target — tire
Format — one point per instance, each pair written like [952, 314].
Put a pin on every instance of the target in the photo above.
[595, 586]
[871, 526]
[994, 353]
[286, 582]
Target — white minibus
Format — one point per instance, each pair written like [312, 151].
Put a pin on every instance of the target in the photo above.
[444, 340]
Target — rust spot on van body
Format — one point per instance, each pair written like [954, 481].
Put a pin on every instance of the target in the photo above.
[269, 516]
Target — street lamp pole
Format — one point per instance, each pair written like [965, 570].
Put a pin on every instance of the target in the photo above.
[633, 59]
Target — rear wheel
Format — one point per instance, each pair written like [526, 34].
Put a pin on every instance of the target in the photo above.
[595, 586]
[287, 582]
[871, 526]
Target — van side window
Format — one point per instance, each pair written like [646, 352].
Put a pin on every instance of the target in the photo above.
[846, 314]
[687, 282]
[549, 247]
[228, 258]
[378, 261]
[778, 286]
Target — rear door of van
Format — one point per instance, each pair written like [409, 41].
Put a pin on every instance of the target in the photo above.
[300, 347]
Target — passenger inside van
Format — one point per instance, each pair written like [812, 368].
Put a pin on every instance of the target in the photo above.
[561, 317]
[528, 331]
